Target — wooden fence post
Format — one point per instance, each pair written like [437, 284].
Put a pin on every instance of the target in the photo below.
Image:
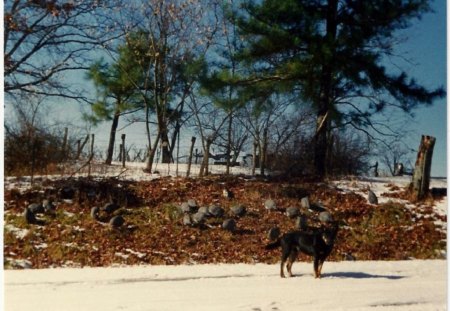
[64, 145]
[78, 149]
[190, 156]
[422, 169]
[123, 150]
[196, 155]
[91, 156]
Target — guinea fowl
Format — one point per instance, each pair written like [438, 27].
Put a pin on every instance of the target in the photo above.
[116, 221]
[31, 218]
[111, 207]
[372, 197]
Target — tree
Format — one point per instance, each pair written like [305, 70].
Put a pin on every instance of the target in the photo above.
[116, 94]
[260, 116]
[334, 53]
[209, 122]
[393, 153]
[45, 39]
[421, 177]
[225, 96]
[174, 34]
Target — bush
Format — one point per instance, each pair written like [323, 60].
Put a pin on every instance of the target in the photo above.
[348, 154]
[31, 150]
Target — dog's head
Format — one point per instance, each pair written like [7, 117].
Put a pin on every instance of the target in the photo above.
[328, 237]
[329, 234]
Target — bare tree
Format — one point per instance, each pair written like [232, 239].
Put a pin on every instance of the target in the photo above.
[394, 152]
[45, 39]
[208, 122]
[174, 37]
[233, 141]
[259, 117]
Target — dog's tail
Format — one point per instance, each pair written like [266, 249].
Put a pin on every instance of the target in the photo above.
[273, 245]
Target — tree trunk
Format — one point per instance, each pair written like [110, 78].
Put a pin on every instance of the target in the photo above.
[263, 151]
[230, 124]
[151, 155]
[175, 140]
[329, 154]
[204, 168]
[190, 156]
[255, 160]
[165, 146]
[112, 138]
[325, 96]
[421, 177]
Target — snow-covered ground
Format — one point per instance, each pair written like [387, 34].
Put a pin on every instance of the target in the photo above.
[361, 285]
[366, 285]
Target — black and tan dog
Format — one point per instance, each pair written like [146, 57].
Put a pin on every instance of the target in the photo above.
[318, 243]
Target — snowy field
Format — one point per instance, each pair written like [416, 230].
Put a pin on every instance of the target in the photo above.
[346, 285]
[366, 285]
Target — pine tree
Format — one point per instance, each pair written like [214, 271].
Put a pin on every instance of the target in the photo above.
[117, 91]
[334, 53]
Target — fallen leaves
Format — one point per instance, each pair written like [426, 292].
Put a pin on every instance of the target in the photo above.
[154, 233]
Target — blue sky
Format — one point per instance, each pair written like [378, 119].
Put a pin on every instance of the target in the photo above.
[427, 47]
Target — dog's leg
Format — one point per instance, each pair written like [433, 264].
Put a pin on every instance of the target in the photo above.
[288, 266]
[291, 261]
[316, 267]
[285, 251]
[320, 266]
[282, 268]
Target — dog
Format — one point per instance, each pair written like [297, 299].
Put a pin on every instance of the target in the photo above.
[317, 243]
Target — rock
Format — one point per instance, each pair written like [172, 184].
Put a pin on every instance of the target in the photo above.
[216, 211]
[238, 210]
[187, 220]
[292, 212]
[270, 204]
[36, 208]
[198, 217]
[111, 207]
[229, 224]
[273, 233]
[372, 197]
[325, 217]
[301, 223]
[116, 221]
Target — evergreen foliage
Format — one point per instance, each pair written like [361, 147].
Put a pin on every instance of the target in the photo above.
[334, 52]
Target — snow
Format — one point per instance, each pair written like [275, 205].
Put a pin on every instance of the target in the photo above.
[346, 285]
[365, 285]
